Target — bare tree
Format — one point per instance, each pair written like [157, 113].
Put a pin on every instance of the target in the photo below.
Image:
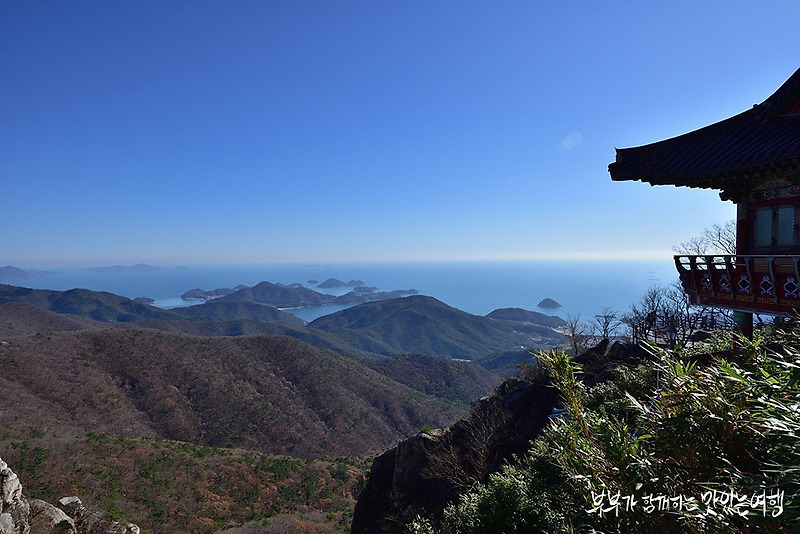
[462, 456]
[607, 322]
[665, 310]
[642, 319]
[719, 239]
[722, 237]
[578, 334]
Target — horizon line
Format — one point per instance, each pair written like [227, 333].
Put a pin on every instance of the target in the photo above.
[650, 255]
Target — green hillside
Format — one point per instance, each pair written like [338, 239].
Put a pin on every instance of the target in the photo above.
[420, 324]
[279, 296]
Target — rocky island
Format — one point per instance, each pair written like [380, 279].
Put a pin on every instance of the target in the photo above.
[548, 303]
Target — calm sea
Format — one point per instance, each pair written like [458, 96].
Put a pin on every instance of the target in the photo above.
[476, 287]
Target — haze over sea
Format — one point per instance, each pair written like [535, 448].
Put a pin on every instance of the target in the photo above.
[477, 287]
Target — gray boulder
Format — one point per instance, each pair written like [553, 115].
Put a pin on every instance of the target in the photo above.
[47, 519]
[14, 509]
[19, 515]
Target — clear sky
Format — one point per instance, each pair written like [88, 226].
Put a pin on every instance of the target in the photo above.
[257, 131]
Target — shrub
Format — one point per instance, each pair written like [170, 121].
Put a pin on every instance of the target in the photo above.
[670, 427]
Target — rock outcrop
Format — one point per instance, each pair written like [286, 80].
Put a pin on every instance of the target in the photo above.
[19, 515]
[14, 508]
[599, 361]
[46, 518]
[424, 473]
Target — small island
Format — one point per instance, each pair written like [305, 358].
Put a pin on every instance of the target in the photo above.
[549, 303]
[145, 300]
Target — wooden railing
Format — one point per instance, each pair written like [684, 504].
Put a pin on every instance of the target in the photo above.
[766, 284]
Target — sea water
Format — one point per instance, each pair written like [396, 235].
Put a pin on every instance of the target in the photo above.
[581, 287]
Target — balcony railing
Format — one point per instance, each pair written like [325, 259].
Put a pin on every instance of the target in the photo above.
[765, 284]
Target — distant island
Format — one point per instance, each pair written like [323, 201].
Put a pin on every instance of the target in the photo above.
[144, 300]
[360, 297]
[202, 294]
[296, 295]
[279, 296]
[10, 274]
[364, 289]
[335, 282]
[138, 268]
[549, 303]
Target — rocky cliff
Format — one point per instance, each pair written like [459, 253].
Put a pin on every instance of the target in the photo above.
[19, 515]
[424, 473]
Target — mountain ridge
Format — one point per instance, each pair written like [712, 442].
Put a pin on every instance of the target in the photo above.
[422, 324]
[269, 393]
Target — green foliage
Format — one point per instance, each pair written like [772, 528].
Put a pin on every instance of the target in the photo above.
[339, 472]
[32, 466]
[681, 425]
[612, 397]
[535, 371]
[529, 497]
[178, 487]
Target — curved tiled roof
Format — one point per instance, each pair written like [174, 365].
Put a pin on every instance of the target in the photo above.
[718, 156]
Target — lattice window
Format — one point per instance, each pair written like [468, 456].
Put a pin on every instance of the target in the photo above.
[763, 233]
[785, 227]
[776, 227]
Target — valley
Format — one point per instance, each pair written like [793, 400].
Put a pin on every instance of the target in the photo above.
[263, 417]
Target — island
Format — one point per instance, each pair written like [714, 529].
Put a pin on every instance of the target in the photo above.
[355, 297]
[202, 294]
[12, 274]
[335, 282]
[549, 303]
[365, 289]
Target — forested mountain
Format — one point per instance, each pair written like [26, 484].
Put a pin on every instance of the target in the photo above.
[524, 316]
[238, 310]
[279, 296]
[22, 320]
[421, 324]
[97, 305]
[452, 380]
[415, 324]
[272, 394]
[124, 415]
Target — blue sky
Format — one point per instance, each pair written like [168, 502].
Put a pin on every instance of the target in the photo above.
[230, 132]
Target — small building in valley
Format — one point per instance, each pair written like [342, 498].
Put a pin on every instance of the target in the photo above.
[753, 159]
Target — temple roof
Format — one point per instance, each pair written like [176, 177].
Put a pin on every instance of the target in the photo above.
[722, 155]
